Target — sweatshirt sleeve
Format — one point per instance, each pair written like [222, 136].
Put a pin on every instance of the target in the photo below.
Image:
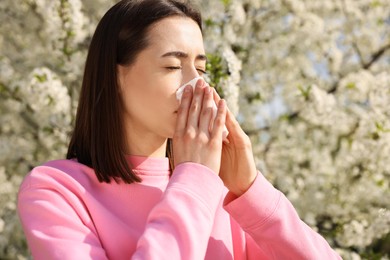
[179, 226]
[55, 220]
[57, 223]
[271, 222]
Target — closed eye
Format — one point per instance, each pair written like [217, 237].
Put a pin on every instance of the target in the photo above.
[174, 67]
[201, 71]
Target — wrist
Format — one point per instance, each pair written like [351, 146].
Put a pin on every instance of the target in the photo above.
[243, 186]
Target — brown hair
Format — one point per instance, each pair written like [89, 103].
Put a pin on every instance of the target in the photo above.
[98, 139]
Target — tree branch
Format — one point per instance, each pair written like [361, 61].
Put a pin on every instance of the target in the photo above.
[376, 56]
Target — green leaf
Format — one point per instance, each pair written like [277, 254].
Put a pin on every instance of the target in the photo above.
[305, 91]
[41, 78]
[226, 3]
[253, 97]
[380, 22]
[351, 85]
[217, 71]
[380, 183]
[381, 128]
[209, 22]
[375, 3]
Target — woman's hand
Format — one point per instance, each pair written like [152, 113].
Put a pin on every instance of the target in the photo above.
[194, 140]
[238, 168]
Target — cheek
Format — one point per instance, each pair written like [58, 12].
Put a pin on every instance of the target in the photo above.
[134, 99]
[165, 91]
[155, 94]
[155, 104]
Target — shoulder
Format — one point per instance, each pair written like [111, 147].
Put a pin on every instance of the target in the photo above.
[60, 173]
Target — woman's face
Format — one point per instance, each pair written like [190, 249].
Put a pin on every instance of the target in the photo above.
[174, 56]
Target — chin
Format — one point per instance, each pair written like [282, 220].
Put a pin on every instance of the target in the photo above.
[167, 133]
[171, 135]
[171, 131]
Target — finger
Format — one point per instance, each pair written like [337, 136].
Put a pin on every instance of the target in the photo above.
[207, 110]
[196, 105]
[216, 97]
[182, 113]
[232, 124]
[219, 121]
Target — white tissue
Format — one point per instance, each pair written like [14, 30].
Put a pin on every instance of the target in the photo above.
[192, 83]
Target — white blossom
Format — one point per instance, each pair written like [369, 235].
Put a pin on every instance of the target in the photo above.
[308, 80]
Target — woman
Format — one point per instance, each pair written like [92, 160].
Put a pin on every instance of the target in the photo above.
[117, 196]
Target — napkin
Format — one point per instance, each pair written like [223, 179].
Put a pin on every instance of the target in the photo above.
[192, 83]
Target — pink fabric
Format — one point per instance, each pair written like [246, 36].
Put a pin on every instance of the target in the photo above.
[67, 214]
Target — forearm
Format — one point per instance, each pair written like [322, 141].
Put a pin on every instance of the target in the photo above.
[271, 220]
[179, 227]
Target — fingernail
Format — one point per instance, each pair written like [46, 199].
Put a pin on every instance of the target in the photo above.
[199, 83]
[221, 103]
[188, 89]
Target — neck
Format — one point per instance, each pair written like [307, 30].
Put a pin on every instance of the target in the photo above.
[146, 145]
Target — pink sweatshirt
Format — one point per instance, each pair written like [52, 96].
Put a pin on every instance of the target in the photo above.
[67, 213]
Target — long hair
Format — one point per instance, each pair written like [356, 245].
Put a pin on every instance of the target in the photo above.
[98, 139]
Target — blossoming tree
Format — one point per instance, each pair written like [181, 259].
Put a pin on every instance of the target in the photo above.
[308, 80]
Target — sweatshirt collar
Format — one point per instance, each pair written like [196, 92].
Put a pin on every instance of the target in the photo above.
[141, 164]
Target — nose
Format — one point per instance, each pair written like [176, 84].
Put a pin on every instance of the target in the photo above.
[190, 78]
[189, 74]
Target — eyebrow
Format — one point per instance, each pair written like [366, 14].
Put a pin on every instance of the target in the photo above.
[180, 54]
